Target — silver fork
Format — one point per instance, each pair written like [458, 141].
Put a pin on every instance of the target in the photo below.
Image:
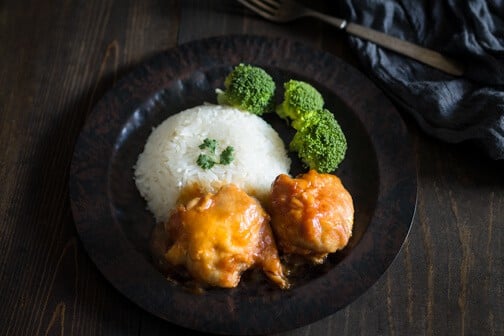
[288, 10]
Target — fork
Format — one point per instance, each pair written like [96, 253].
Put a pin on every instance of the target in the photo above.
[286, 10]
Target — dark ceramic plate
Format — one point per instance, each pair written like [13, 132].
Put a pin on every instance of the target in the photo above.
[115, 226]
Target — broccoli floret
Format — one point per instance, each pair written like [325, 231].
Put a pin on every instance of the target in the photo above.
[248, 88]
[301, 103]
[321, 145]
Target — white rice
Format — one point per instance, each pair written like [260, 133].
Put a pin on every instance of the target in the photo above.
[168, 162]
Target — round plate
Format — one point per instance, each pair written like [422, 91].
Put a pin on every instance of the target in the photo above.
[115, 227]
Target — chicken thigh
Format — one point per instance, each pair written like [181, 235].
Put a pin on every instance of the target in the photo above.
[311, 215]
[216, 237]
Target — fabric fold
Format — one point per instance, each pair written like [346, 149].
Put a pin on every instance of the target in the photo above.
[453, 109]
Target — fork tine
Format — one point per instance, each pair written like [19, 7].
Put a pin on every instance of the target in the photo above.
[258, 8]
[274, 3]
[264, 5]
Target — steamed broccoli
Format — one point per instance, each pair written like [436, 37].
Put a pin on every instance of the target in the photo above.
[248, 88]
[301, 103]
[321, 145]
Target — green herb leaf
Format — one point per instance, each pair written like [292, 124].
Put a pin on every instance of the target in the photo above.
[205, 161]
[210, 144]
[227, 155]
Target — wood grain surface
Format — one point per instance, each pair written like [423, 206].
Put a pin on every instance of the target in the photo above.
[59, 57]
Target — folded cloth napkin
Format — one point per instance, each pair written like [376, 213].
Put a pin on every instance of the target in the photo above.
[452, 109]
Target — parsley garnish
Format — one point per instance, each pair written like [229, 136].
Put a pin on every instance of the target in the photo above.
[205, 161]
[209, 159]
[227, 155]
[211, 144]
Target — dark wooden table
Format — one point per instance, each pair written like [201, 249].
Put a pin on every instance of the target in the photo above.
[59, 57]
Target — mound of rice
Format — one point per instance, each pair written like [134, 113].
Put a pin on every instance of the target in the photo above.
[168, 162]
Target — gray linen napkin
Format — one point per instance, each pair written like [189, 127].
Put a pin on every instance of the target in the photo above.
[470, 108]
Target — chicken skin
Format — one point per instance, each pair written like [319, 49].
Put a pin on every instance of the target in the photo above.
[311, 215]
[217, 236]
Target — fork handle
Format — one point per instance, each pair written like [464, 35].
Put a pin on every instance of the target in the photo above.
[424, 55]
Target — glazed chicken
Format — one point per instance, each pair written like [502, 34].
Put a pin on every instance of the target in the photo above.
[311, 215]
[216, 237]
